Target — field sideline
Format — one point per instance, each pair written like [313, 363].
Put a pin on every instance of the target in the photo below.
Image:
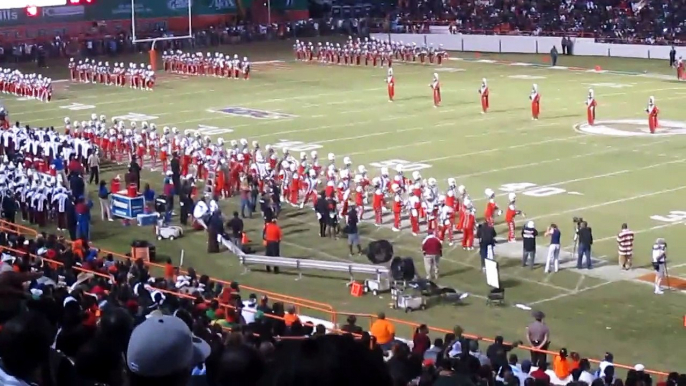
[557, 169]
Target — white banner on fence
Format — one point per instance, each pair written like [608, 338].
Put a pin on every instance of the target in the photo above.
[529, 44]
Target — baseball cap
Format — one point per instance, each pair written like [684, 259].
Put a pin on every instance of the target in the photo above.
[164, 345]
[639, 367]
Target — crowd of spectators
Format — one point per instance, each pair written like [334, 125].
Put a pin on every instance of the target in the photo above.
[70, 315]
[622, 21]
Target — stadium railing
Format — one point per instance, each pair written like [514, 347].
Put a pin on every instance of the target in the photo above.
[403, 327]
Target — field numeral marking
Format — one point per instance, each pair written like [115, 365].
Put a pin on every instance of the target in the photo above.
[407, 166]
[673, 216]
[213, 130]
[136, 117]
[531, 190]
[296, 145]
[77, 107]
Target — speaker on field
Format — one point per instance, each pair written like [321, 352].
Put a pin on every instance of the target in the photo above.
[379, 252]
[402, 269]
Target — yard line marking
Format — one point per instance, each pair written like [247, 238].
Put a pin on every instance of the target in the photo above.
[573, 293]
[602, 204]
[578, 283]
[610, 174]
[552, 160]
[317, 251]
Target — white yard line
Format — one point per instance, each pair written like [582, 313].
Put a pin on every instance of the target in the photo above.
[626, 199]
[609, 149]
[572, 293]
[604, 175]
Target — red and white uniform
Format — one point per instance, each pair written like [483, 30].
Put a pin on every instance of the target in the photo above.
[653, 112]
[390, 81]
[680, 74]
[436, 87]
[535, 98]
[483, 91]
[446, 215]
[510, 215]
[468, 222]
[397, 210]
[378, 205]
[590, 107]
[491, 208]
[414, 205]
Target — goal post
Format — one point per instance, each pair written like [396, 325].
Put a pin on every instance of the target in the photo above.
[153, 41]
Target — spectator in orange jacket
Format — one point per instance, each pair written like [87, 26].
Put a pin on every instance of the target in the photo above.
[562, 365]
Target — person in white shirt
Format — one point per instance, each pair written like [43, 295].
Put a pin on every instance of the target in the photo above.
[585, 374]
[249, 309]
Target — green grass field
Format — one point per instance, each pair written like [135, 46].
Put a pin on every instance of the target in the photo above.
[557, 171]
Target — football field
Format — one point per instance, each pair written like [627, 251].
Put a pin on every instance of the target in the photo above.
[560, 168]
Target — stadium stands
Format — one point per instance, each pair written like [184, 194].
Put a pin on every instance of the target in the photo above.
[103, 284]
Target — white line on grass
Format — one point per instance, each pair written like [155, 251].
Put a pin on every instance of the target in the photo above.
[609, 149]
[602, 204]
[572, 293]
[604, 175]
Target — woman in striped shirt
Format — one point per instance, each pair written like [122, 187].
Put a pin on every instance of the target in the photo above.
[625, 245]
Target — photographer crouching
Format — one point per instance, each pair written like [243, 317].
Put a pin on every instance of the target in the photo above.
[584, 238]
[660, 263]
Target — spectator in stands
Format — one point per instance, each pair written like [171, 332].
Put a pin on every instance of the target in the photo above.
[561, 365]
[239, 364]
[104, 199]
[162, 351]
[476, 353]
[540, 372]
[291, 316]
[538, 336]
[420, 340]
[497, 352]
[351, 325]
[384, 331]
[584, 371]
[249, 309]
[522, 373]
[24, 344]
[434, 351]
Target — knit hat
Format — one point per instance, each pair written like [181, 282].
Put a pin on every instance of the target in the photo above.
[164, 345]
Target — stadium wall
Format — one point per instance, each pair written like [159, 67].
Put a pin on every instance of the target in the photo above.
[115, 16]
[528, 44]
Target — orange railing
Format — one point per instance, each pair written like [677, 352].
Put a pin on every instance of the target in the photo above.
[404, 327]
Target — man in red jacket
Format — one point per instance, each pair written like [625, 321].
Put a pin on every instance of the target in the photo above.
[432, 248]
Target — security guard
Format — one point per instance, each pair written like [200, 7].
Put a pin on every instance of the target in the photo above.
[272, 241]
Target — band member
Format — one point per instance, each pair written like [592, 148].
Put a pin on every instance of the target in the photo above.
[390, 80]
[483, 91]
[680, 75]
[378, 201]
[468, 222]
[436, 87]
[492, 209]
[535, 102]
[510, 215]
[590, 107]
[653, 112]
[397, 207]
[659, 263]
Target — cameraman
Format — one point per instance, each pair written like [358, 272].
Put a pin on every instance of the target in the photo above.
[584, 236]
[659, 263]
